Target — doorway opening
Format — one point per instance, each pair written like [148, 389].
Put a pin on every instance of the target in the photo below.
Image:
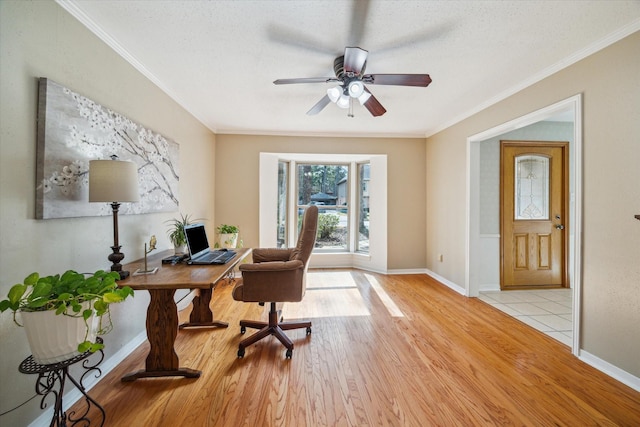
[483, 230]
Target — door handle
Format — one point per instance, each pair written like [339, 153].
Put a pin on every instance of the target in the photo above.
[560, 226]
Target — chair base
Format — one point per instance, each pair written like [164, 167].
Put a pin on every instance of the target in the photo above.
[272, 327]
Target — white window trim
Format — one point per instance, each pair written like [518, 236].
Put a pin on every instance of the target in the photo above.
[376, 259]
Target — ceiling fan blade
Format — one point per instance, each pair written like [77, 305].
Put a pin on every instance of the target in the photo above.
[305, 80]
[373, 105]
[422, 80]
[319, 106]
[354, 59]
[359, 16]
[411, 40]
[293, 37]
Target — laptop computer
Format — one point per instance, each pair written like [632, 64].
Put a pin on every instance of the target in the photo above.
[199, 250]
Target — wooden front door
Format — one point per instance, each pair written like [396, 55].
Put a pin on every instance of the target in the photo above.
[534, 189]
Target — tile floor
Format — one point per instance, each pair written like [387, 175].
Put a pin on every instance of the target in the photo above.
[547, 310]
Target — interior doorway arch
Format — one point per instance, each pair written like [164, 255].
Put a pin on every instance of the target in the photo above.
[568, 109]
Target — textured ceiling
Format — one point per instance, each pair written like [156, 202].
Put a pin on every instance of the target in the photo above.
[219, 59]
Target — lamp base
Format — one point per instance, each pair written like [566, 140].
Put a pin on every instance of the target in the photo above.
[115, 258]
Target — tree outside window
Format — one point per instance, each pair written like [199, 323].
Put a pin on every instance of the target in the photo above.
[326, 186]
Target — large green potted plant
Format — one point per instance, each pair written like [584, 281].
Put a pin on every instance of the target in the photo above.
[227, 236]
[176, 232]
[63, 314]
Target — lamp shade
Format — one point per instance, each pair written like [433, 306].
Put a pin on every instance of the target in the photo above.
[113, 181]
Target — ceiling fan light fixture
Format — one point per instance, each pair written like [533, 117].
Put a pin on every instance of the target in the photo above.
[334, 93]
[356, 88]
[343, 101]
[351, 80]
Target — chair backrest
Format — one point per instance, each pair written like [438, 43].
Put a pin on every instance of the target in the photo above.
[273, 283]
[307, 236]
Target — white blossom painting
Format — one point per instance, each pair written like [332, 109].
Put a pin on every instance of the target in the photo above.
[72, 130]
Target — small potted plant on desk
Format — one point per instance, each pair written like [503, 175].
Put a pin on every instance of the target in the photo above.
[227, 236]
[63, 314]
[176, 232]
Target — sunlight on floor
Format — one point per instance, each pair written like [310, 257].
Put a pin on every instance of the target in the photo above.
[336, 294]
[391, 306]
[329, 294]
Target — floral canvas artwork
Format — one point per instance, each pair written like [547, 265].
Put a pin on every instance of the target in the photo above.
[72, 130]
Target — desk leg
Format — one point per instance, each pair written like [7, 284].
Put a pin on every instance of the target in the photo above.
[162, 329]
[201, 315]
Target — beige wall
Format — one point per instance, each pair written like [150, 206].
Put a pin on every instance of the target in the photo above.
[608, 81]
[39, 39]
[237, 198]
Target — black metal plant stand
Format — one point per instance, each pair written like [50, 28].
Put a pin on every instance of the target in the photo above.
[51, 380]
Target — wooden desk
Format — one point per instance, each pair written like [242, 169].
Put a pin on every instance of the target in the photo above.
[162, 314]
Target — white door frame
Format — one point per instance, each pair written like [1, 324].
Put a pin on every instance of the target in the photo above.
[472, 264]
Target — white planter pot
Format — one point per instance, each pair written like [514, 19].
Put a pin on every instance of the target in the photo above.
[179, 250]
[55, 338]
[228, 240]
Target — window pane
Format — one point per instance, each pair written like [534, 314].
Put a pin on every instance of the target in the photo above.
[319, 184]
[363, 208]
[326, 186]
[332, 229]
[283, 180]
[532, 187]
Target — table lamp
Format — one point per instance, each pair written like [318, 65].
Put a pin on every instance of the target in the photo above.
[114, 181]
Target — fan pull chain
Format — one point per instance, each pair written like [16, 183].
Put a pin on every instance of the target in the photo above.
[350, 114]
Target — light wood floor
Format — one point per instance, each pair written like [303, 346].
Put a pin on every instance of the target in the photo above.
[384, 351]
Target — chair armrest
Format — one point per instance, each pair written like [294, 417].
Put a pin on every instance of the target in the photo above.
[271, 254]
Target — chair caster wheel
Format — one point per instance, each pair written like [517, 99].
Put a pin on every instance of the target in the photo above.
[309, 330]
[243, 329]
[289, 353]
[240, 353]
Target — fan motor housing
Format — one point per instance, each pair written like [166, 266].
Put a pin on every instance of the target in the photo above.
[338, 68]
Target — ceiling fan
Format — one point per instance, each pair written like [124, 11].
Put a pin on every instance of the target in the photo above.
[349, 69]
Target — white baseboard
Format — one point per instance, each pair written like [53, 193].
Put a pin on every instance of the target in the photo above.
[448, 283]
[406, 271]
[106, 366]
[609, 369]
[489, 288]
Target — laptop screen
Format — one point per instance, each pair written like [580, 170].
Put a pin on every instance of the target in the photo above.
[196, 239]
